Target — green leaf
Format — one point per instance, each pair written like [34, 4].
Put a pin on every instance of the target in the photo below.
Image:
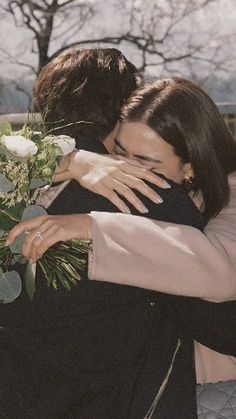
[5, 184]
[30, 273]
[1, 233]
[33, 211]
[37, 137]
[37, 183]
[10, 286]
[19, 259]
[29, 212]
[9, 217]
[16, 247]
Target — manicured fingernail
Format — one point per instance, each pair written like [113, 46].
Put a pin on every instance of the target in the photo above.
[7, 242]
[127, 210]
[165, 185]
[157, 199]
[143, 209]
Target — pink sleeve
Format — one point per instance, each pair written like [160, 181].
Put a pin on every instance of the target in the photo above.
[170, 258]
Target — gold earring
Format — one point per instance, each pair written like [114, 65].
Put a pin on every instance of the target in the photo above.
[188, 180]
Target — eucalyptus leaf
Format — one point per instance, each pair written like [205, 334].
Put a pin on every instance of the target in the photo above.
[10, 286]
[1, 233]
[16, 247]
[5, 184]
[33, 211]
[37, 183]
[18, 259]
[30, 273]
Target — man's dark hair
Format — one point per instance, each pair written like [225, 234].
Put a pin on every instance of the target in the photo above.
[86, 85]
[183, 115]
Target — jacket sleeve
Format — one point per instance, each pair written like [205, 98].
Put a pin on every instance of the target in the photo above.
[165, 257]
[211, 324]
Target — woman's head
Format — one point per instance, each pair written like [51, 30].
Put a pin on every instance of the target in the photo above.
[86, 85]
[187, 121]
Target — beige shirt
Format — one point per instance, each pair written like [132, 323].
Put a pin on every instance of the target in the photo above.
[174, 259]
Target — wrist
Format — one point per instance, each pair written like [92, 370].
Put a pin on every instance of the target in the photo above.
[77, 165]
[84, 226]
[62, 173]
[81, 163]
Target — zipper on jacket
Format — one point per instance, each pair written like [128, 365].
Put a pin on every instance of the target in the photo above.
[152, 408]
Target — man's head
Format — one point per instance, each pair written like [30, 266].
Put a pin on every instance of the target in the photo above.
[86, 85]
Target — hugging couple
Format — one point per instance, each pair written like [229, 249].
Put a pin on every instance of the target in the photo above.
[160, 282]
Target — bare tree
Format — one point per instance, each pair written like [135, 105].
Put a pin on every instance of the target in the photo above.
[166, 32]
[161, 31]
[42, 18]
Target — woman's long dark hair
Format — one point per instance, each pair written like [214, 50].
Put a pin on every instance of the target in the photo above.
[186, 117]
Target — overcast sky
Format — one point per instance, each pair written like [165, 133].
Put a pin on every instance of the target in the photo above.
[18, 40]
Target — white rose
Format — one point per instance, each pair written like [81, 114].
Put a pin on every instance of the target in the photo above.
[19, 145]
[66, 143]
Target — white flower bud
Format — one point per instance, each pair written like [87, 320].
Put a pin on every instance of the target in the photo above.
[19, 145]
[66, 143]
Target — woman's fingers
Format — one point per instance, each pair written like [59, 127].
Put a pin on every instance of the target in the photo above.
[34, 239]
[20, 228]
[43, 232]
[137, 169]
[112, 196]
[133, 182]
[39, 245]
[110, 188]
[127, 193]
[109, 182]
[100, 173]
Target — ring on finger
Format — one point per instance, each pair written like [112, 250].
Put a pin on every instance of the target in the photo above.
[39, 235]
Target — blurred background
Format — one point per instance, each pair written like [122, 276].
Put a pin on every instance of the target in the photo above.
[192, 38]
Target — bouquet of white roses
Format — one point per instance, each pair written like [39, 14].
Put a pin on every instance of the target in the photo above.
[28, 160]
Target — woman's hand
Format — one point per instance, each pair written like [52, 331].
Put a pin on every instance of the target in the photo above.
[43, 232]
[112, 177]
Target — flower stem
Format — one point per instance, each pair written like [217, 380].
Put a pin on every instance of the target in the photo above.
[9, 216]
